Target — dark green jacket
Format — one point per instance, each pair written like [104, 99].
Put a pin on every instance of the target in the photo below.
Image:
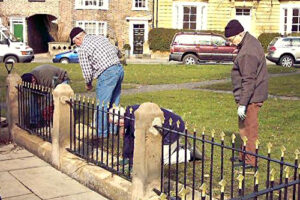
[45, 74]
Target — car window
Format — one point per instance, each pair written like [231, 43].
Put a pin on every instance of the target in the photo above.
[296, 42]
[273, 41]
[184, 39]
[203, 40]
[286, 42]
[193, 39]
[218, 41]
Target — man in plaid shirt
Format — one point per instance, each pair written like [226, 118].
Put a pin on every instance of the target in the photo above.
[99, 60]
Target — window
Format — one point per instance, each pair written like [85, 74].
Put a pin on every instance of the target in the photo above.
[296, 20]
[242, 12]
[296, 42]
[91, 4]
[286, 43]
[189, 17]
[93, 27]
[218, 41]
[289, 19]
[193, 39]
[36, 0]
[140, 5]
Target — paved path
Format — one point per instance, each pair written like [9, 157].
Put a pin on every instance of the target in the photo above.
[24, 176]
[194, 85]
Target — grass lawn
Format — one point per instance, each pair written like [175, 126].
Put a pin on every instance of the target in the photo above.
[279, 124]
[284, 86]
[145, 74]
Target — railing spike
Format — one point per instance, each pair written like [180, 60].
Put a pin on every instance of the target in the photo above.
[245, 140]
[170, 121]
[269, 146]
[233, 138]
[213, 133]
[283, 149]
[240, 178]
[297, 152]
[287, 172]
[256, 175]
[203, 131]
[257, 143]
[222, 136]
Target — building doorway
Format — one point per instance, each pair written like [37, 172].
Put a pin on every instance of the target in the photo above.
[18, 27]
[138, 38]
[39, 28]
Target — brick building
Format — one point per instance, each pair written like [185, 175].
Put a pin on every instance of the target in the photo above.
[41, 21]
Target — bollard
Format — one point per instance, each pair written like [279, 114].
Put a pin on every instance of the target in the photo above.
[61, 122]
[147, 151]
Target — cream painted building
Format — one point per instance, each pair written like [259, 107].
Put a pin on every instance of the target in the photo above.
[257, 16]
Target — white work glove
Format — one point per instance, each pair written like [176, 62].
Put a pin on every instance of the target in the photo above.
[242, 112]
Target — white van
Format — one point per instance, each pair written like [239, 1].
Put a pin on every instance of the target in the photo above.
[12, 50]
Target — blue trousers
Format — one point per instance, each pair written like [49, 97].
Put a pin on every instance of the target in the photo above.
[108, 90]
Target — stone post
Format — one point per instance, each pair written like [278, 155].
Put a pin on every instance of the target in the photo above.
[61, 122]
[12, 81]
[147, 151]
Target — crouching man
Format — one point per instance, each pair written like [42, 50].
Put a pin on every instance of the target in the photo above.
[127, 129]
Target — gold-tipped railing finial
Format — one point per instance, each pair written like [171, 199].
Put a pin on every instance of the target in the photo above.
[222, 183]
[203, 189]
[233, 138]
[240, 178]
[272, 174]
[222, 136]
[269, 146]
[283, 149]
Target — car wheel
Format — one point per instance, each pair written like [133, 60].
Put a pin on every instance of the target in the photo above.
[11, 59]
[64, 60]
[190, 59]
[286, 61]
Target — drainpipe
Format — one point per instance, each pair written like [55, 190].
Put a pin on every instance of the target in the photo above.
[156, 13]
[153, 9]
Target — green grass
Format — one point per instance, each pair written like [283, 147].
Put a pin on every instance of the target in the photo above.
[282, 86]
[145, 74]
[279, 124]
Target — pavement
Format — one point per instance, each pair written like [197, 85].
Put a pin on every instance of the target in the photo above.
[24, 176]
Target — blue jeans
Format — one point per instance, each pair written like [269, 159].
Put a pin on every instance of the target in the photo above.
[108, 90]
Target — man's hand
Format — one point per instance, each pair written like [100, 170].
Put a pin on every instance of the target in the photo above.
[89, 87]
[242, 112]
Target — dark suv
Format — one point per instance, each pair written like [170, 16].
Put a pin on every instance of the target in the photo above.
[192, 47]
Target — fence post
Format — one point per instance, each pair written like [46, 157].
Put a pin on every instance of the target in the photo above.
[147, 151]
[61, 122]
[12, 81]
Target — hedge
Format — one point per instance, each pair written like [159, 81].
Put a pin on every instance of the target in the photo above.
[161, 38]
[266, 38]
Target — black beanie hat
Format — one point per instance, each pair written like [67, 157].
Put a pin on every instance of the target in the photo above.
[233, 28]
[27, 77]
[75, 31]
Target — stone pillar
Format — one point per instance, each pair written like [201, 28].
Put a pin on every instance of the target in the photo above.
[147, 151]
[61, 122]
[12, 81]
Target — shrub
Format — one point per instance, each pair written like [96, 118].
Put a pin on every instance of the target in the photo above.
[266, 38]
[126, 47]
[161, 38]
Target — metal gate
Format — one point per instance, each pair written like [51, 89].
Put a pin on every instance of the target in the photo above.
[138, 38]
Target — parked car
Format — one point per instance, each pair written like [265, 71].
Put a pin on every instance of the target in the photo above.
[284, 51]
[12, 50]
[66, 57]
[192, 47]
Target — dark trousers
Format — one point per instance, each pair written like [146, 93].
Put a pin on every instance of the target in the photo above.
[249, 128]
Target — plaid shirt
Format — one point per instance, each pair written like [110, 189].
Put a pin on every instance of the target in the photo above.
[96, 54]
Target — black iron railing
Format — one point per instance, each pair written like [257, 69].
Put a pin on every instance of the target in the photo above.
[36, 107]
[199, 167]
[100, 146]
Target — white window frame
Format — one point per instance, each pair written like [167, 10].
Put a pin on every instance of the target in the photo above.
[245, 20]
[289, 8]
[97, 26]
[79, 4]
[201, 18]
[138, 8]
